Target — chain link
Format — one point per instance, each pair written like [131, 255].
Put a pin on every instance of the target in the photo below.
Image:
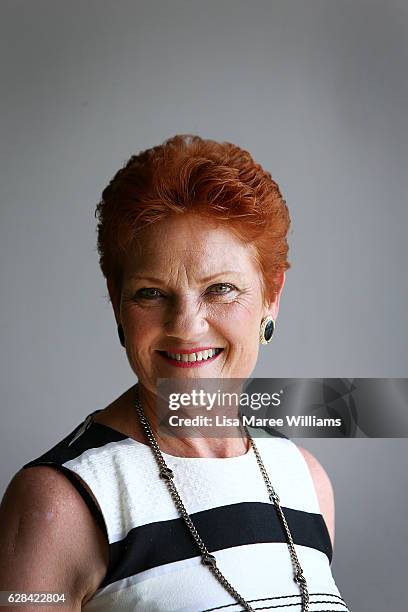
[207, 558]
[298, 577]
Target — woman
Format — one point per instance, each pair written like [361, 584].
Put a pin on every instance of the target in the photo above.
[192, 237]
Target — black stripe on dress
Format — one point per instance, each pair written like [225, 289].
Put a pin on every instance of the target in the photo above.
[336, 601]
[158, 543]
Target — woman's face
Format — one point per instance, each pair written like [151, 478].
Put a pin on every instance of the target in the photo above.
[191, 287]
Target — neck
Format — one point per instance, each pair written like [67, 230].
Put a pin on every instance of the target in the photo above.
[181, 445]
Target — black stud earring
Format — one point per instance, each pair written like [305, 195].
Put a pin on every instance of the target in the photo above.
[121, 334]
[266, 330]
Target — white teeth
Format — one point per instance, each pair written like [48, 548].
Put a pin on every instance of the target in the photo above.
[191, 357]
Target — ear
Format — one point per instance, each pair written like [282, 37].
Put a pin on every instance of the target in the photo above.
[114, 295]
[272, 308]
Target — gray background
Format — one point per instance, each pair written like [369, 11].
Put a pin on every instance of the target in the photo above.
[317, 91]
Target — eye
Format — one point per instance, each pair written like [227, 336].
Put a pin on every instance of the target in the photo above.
[148, 293]
[222, 288]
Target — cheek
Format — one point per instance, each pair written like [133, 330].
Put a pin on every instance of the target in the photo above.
[239, 325]
[141, 325]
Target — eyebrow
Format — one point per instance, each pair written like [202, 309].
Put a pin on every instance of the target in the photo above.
[206, 279]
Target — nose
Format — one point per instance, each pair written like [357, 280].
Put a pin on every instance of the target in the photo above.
[185, 320]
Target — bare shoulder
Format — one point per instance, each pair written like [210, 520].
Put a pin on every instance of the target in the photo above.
[49, 540]
[324, 490]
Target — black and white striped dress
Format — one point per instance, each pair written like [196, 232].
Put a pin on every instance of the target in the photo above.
[154, 565]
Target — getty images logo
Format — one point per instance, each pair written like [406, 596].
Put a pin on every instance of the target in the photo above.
[208, 400]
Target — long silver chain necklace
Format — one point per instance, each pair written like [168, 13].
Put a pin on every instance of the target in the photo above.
[207, 558]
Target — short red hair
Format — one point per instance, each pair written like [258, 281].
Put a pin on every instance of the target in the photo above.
[190, 174]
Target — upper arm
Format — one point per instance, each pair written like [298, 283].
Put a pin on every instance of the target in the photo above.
[324, 490]
[48, 537]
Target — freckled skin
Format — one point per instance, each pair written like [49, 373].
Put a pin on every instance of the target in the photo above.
[181, 309]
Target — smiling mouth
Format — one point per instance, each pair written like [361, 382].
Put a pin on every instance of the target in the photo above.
[191, 359]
